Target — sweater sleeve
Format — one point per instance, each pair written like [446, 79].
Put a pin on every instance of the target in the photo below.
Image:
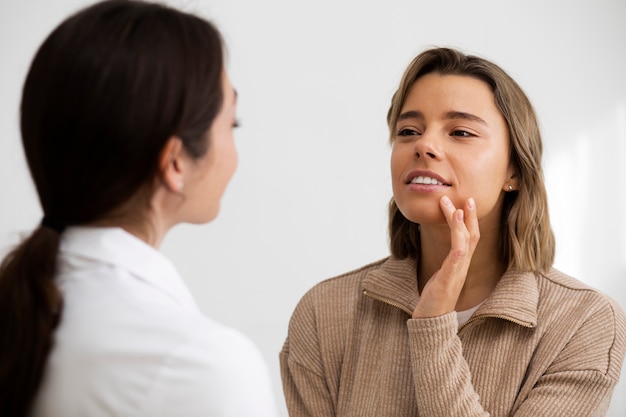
[304, 383]
[305, 391]
[581, 379]
[442, 378]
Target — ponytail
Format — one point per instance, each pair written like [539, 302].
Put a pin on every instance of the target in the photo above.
[30, 310]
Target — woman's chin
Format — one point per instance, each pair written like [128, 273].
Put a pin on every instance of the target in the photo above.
[424, 215]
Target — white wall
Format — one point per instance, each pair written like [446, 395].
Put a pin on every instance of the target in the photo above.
[314, 82]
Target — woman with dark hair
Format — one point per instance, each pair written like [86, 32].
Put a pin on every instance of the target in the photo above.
[126, 117]
[467, 317]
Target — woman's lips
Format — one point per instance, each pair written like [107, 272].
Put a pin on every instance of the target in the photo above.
[425, 178]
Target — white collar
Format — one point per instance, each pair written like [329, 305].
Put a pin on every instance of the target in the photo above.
[115, 246]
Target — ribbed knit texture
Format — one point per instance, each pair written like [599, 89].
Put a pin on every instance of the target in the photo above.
[543, 345]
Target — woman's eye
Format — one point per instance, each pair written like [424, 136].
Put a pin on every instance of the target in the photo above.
[407, 132]
[462, 133]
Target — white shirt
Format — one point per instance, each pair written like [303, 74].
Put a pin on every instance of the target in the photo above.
[463, 317]
[132, 342]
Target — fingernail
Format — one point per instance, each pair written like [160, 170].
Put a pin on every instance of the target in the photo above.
[445, 200]
[470, 203]
[459, 215]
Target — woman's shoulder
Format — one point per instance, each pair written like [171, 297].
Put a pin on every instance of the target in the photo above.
[325, 312]
[592, 322]
[564, 280]
[342, 286]
[558, 283]
[330, 303]
[565, 298]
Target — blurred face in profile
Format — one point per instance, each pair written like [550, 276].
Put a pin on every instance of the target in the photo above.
[211, 173]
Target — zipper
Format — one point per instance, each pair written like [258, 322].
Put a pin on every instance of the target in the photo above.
[387, 301]
[497, 316]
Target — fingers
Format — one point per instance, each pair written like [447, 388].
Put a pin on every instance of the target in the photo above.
[471, 223]
[442, 291]
[464, 236]
[463, 223]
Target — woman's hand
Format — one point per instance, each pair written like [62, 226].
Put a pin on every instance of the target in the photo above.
[441, 292]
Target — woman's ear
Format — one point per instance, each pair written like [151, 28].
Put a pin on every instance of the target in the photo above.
[512, 184]
[171, 165]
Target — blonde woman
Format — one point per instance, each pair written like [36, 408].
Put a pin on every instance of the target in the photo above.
[467, 317]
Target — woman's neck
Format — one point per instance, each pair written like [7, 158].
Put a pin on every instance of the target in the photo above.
[485, 268]
[140, 217]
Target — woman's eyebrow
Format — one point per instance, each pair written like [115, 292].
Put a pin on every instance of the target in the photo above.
[411, 114]
[466, 116]
[414, 114]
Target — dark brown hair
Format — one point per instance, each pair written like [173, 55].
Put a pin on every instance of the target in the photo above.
[105, 91]
[527, 241]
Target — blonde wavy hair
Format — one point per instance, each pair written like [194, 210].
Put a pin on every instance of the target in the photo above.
[527, 240]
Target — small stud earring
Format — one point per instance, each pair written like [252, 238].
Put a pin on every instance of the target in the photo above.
[510, 187]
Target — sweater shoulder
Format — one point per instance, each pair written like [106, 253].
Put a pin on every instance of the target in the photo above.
[343, 284]
[596, 321]
[573, 298]
[556, 281]
[322, 319]
[561, 279]
[335, 297]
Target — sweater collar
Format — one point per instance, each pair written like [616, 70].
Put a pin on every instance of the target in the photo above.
[515, 297]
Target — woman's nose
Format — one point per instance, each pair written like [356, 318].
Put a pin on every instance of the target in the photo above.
[427, 146]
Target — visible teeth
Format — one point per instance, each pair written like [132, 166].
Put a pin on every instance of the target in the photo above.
[425, 180]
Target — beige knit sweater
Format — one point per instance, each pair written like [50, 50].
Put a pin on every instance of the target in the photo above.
[542, 345]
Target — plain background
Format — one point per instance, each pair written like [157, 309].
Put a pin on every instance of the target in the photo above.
[315, 80]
